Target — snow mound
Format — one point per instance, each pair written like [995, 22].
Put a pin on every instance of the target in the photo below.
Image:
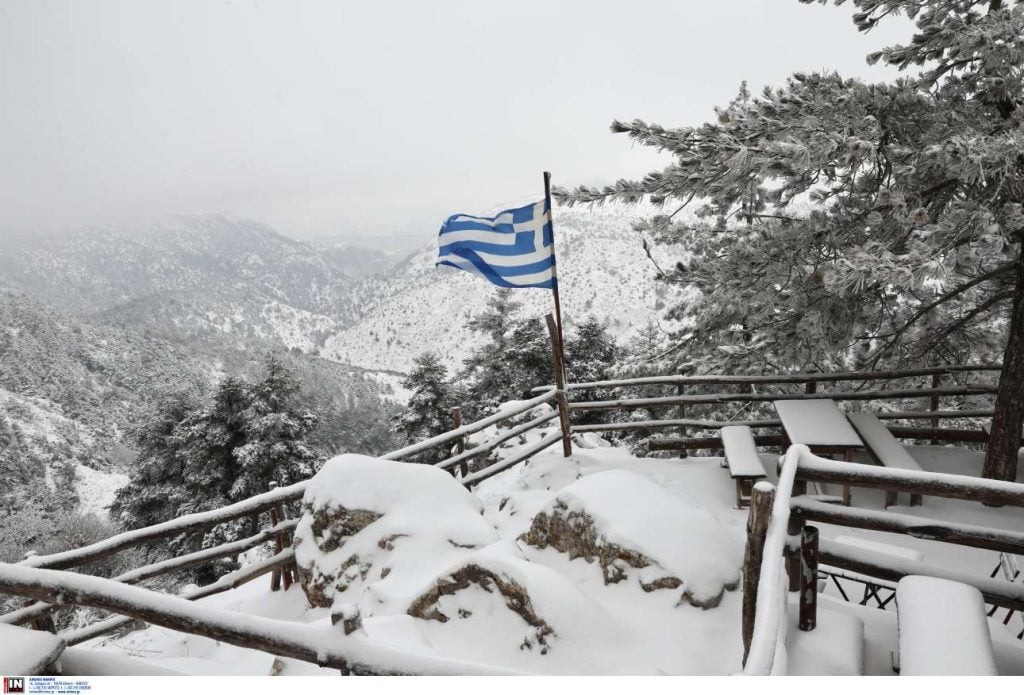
[627, 522]
[549, 604]
[373, 533]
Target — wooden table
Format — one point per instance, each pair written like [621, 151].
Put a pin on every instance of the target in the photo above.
[822, 427]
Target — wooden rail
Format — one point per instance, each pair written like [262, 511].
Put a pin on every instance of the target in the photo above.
[797, 378]
[803, 552]
[330, 647]
[717, 398]
[272, 502]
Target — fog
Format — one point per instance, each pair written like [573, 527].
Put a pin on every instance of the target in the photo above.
[370, 121]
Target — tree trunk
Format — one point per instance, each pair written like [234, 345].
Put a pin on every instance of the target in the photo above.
[1008, 420]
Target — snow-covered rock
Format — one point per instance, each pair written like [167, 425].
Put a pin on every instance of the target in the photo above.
[377, 533]
[626, 522]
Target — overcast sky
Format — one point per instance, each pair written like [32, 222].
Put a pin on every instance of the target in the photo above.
[366, 118]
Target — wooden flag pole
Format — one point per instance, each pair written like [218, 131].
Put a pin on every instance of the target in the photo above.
[557, 335]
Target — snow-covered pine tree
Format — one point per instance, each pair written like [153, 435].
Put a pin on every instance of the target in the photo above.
[275, 431]
[195, 458]
[429, 412]
[909, 248]
[591, 352]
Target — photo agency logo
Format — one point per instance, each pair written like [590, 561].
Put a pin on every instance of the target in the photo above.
[14, 685]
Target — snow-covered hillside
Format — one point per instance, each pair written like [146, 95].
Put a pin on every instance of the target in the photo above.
[603, 272]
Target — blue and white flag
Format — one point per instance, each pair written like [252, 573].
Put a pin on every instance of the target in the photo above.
[515, 248]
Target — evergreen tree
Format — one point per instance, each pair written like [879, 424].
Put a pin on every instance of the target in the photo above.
[430, 406]
[196, 458]
[910, 249]
[275, 435]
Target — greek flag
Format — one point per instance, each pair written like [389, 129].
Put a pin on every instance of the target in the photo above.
[515, 248]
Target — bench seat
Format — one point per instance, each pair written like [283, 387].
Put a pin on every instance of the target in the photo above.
[884, 449]
[943, 629]
[742, 459]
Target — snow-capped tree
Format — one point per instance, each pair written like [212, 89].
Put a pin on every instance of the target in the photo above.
[850, 225]
[430, 406]
[199, 457]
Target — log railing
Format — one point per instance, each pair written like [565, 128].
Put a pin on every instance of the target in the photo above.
[278, 532]
[786, 539]
[752, 396]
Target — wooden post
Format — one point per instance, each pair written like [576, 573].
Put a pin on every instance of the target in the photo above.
[563, 403]
[277, 515]
[795, 528]
[761, 500]
[812, 387]
[460, 443]
[45, 621]
[680, 390]
[808, 578]
[934, 404]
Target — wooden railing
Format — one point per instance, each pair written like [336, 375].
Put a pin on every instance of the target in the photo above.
[693, 393]
[458, 458]
[783, 550]
[280, 565]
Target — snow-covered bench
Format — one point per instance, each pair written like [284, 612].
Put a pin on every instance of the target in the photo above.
[28, 652]
[885, 449]
[943, 629]
[741, 457]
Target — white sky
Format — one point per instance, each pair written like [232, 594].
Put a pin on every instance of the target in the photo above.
[326, 117]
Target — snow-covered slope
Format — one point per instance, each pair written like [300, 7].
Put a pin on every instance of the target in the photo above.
[603, 272]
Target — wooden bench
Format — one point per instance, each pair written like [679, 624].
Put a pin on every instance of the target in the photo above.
[884, 449]
[943, 630]
[741, 457]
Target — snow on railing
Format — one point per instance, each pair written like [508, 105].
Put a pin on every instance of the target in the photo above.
[331, 647]
[471, 428]
[798, 378]
[767, 654]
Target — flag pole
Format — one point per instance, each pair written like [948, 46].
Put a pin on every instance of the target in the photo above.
[558, 302]
[557, 336]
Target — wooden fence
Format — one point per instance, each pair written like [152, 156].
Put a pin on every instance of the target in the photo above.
[52, 588]
[280, 565]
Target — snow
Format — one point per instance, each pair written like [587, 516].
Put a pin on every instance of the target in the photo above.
[428, 522]
[886, 548]
[322, 642]
[96, 489]
[26, 652]
[942, 629]
[816, 422]
[597, 628]
[740, 452]
[630, 511]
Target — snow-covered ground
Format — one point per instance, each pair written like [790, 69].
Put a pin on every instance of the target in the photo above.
[588, 617]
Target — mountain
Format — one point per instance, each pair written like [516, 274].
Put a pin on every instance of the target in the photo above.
[72, 391]
[189, 277]
[603, 272]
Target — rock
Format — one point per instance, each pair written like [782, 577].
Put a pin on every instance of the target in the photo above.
[629, 525]
[374, 532]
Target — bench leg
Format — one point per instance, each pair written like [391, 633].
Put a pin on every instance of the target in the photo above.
[847, 497]
[916, 499]
[890, 498]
